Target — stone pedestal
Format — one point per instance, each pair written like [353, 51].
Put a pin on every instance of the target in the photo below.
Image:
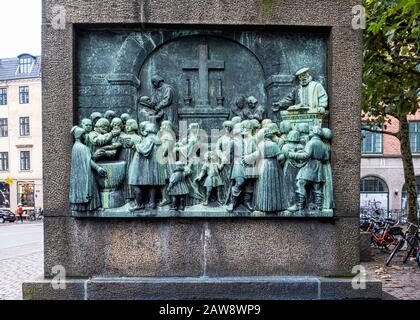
[146, 257]
[365, 247]
[225, 288]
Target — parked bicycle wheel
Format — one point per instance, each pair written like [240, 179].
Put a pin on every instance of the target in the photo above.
[411, 248]
[418, 256]
[394, 251]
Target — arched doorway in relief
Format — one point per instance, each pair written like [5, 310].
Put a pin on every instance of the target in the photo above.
[231, 70]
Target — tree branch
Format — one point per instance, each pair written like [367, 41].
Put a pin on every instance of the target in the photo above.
[411, 70]
[394, 134]
[393, 62]
[408, 58]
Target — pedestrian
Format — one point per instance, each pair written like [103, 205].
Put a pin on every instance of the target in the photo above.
[19, 212]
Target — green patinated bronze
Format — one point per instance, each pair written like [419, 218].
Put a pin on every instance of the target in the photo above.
[257, 168]
[269, 158]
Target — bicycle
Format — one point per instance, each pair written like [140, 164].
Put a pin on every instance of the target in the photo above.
[383, 232]
[34, 216]
[413, 243]
[364, 222]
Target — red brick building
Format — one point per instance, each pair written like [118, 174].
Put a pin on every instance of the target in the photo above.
[382, 175]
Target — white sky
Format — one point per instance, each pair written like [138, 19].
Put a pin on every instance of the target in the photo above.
[20, 27]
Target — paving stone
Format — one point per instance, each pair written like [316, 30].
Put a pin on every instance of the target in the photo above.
[18, 269]
[404, 284]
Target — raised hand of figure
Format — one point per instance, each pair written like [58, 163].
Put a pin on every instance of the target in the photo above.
[102, 172]
[99, 153]
[127, 143]
[248, 160]
[294, 107]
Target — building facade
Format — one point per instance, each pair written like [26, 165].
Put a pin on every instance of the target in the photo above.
[382, 175]
[20, 132]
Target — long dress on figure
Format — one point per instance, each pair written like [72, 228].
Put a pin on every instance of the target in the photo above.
[127, 153]
[269, 189]
[145, 168]
[223, 150]
[84, 194]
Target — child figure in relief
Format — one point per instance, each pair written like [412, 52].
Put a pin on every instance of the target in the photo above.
[211, 169]
[178, 187]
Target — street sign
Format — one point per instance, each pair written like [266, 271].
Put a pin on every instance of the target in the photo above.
[9, 180]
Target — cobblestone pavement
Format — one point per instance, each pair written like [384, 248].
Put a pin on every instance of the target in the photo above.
[21, 257]
[398, 281]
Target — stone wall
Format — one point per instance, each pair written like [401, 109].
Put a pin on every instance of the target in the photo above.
[198, 246]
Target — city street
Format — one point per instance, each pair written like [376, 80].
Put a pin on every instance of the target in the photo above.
[21, 257]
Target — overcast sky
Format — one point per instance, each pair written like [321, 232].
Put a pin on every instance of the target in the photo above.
[20, 27]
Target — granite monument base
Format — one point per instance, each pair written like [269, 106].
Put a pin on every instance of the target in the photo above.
[267, 257]
[199, 288]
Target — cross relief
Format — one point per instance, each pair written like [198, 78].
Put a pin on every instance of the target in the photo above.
[204, 64]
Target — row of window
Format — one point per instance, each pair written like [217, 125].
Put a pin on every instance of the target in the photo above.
[23, 95]
[373, 142]
[24, 127]
[25, 161]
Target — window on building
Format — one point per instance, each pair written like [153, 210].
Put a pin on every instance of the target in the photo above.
[24, 127]
[24, 95]
[374, 195]
[414, 127]
[4, 195]
[4, 161]
[25, 64]
[372, 142]
[373, 184]
[3, 96]
[3, 127]
[26, 194]
[25, 161]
